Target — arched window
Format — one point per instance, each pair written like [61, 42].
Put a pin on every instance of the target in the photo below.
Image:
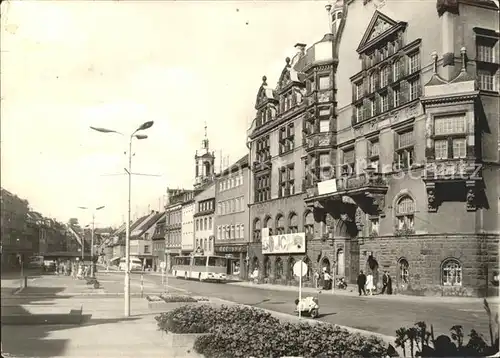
[279, 268]
[293, 225]
[197, 243]
[404, 272]
[291, 262]
[280, 225]
[451, 272]
[405, 212]
[268, 223]
[267, 266]
[256, 230]
[309, 223]
[210, 244]
[205, 246]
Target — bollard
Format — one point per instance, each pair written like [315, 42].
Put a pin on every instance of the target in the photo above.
[142, 285]
[25, 281]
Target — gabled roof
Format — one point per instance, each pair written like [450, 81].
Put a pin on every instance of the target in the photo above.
[146, 224]
[239, 164]
[264, 94]
[379, 26]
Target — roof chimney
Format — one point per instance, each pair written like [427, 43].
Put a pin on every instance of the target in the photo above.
[301, 48]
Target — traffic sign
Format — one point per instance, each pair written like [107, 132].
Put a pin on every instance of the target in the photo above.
[297, 268]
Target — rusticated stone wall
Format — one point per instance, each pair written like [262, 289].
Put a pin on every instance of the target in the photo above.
[425, 254]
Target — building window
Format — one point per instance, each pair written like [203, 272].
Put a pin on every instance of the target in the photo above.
[405, 213]
[414, 89]
[452, 273]
[373, 82]
[374, 227]
[263, 149]
[396, 70]
[233, 233]
[404, 272]
[309, 223]
[278, 268]
[280, 225]
[219, 232]
[287, 138]
[293, 226]
[373, 153]
[384, 102]
[384, 76]
[396, 97]
[263, 188]
[325, 167]
[373, 107]
[324, 120]
[324, 82]
[287, 181]
[209, 223]
[348, 161]
[205, 227]
[359, 113]
[485, 49]
[256, 230]
[146, 249]
[450, 137]
[414, 63]
[486, 63]
[404, 154]
[486, 79]
[358, 90]
[268, 223]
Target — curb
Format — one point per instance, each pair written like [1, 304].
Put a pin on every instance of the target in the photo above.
[18, 290]
[387, 339]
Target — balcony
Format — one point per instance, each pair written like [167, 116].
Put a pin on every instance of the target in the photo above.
[319, 140]
[368, 186]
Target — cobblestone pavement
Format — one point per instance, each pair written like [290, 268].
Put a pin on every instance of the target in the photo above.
[381, 316]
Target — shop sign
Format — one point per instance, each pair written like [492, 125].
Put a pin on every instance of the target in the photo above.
[284, 244]
[231, 248]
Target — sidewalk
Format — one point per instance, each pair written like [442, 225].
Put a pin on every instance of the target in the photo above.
[351, 291]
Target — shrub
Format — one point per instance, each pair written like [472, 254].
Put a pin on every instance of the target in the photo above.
[178, 298]
[200, 319]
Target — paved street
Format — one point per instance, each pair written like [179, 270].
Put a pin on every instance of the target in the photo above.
[367, 313]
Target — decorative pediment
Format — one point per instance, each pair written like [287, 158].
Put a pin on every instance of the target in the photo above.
[379, 26]
[264, 94]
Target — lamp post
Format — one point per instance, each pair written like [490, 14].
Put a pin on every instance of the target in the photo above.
[143, 126]
[91, 237]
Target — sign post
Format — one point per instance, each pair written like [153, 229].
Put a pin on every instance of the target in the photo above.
[300, 269]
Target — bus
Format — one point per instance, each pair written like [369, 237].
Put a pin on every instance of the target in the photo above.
[202, 268]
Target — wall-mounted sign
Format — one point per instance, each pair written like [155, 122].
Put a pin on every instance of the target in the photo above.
[231, 248]
[284, 244]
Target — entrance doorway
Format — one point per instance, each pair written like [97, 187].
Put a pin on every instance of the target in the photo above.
[325, 264]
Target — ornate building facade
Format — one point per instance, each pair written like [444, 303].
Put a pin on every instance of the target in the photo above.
[391, 140]
[414, 170]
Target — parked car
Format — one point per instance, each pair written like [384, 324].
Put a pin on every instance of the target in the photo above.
[35, 262]
[49, 265]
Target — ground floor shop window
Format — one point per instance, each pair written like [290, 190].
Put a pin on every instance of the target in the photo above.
[451, 273]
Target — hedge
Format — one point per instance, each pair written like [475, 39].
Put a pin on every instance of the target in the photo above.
[239, 331]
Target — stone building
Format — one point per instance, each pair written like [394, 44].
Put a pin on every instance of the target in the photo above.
[410, 183]
[280, 152]
[204, 220]
[231, 218]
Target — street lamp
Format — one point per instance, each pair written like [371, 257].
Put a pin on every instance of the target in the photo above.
[92, 238]
[143, 126]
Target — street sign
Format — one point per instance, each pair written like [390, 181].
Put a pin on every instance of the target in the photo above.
[297, 268]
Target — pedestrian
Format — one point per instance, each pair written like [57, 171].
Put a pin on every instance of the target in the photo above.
[385, 282]
[361, 281]
[369, 284]
[316, 278]
[328, 280]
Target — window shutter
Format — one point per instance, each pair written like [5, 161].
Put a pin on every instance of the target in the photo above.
[396, 145]
[405, 92]
[366, 109]
[376, 77]
[390, 99]
[377, 104]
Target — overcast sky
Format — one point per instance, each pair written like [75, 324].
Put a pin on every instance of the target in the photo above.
[67, 65]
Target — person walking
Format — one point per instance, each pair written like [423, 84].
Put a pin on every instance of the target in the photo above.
[385, 282]
[369, 284]
[361, 281]
[327, 280]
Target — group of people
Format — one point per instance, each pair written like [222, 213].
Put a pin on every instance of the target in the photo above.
[324, 279]
[366, 285]
[76, 269]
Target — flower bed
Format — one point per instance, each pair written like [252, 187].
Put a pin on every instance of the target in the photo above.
[175, 298]
[239, 331]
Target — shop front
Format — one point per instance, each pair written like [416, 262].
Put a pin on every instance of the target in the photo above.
[237, 256]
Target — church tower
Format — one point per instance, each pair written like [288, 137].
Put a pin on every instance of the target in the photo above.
[204, 163]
